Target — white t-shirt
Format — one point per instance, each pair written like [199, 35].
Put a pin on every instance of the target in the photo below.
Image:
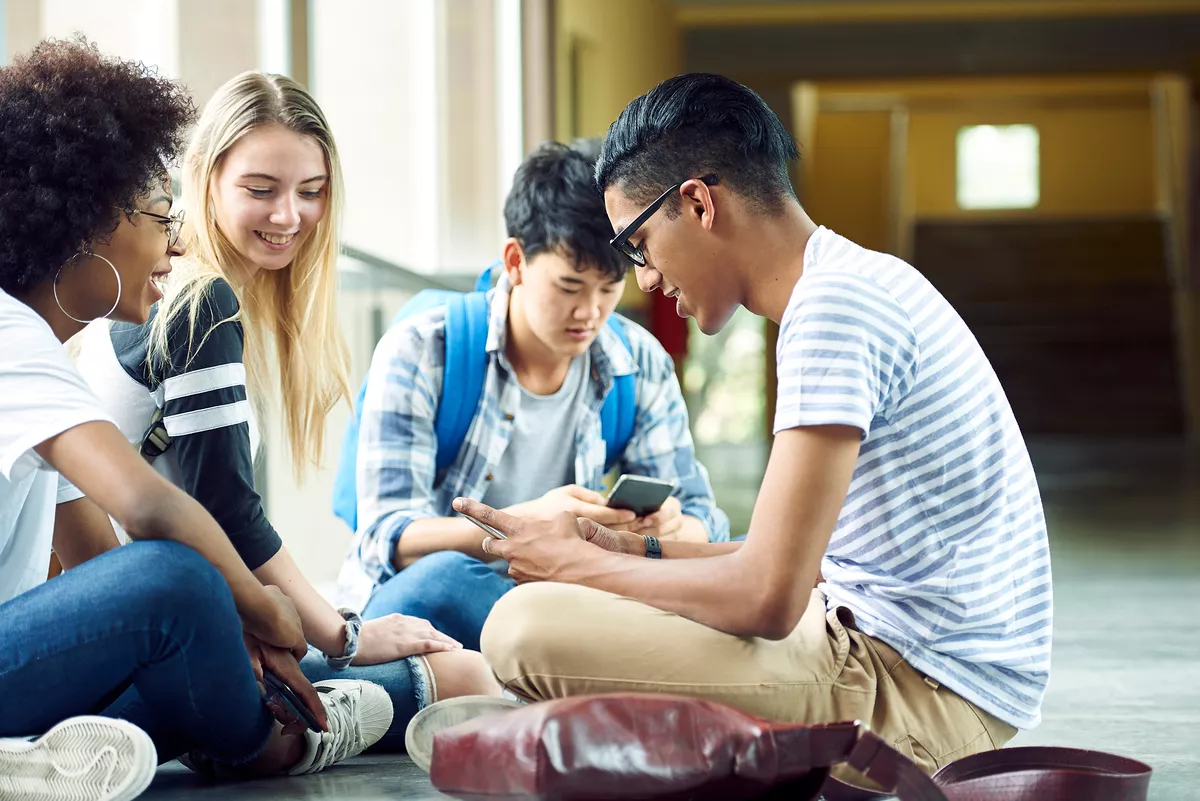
[41, 396]
[940, 549]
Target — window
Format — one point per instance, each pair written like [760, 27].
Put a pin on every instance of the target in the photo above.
[998, 167]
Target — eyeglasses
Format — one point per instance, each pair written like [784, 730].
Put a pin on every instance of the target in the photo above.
[173, 224]
[620, 242]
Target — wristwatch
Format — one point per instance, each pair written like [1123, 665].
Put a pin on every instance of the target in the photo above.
[653, 549]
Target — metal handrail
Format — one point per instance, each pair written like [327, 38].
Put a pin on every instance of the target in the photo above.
[362, 270]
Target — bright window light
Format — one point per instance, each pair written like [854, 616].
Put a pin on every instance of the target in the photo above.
[998, 167]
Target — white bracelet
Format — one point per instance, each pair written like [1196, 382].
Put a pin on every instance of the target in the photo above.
[353, 627]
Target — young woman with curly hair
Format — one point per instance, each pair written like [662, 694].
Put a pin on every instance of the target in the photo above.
[165, 636]
[252, 308]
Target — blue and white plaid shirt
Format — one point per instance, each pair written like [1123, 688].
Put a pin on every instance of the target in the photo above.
[397, 445]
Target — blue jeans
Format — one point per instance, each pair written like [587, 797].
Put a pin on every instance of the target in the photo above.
[451, 590]
[404, 680]
[147, 632]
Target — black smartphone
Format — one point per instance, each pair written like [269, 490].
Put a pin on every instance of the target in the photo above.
[641, 495]
[491, 531]
[278, 688]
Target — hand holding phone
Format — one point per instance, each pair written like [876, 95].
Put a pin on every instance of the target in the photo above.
[492, 532]
[640, 494]
[279, 691]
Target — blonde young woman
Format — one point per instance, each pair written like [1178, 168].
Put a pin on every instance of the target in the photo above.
[251, 309]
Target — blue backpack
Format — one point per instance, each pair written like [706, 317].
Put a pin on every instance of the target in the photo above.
[462, 390]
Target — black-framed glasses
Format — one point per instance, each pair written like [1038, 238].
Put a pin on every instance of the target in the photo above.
[173, 224]
[620, 242]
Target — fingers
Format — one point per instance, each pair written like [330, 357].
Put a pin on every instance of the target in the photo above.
[588, 528]
[486, 514]
[285, 667]
[497, 548]
[584, 494]
[604, 515]
[424, 629]
[671, 510]
[254, 651]
[294, 727]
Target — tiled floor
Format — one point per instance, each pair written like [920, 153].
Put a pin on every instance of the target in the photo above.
[1125, 532]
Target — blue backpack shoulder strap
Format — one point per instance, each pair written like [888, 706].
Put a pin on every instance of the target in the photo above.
[620, 406]
[466, 368]
[345, 489]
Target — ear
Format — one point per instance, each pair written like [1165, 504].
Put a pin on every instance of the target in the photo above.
[698, 202]
[513, 259]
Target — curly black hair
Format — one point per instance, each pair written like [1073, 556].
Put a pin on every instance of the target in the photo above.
[82, 135]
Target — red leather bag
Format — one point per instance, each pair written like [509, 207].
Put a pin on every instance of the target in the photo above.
[634, 746]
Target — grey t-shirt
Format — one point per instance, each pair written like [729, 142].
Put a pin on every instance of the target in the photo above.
[541, 455]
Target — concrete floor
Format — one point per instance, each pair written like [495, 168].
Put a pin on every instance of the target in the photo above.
[1124, 520]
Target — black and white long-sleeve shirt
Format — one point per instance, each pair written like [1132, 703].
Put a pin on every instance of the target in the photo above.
[205, 409]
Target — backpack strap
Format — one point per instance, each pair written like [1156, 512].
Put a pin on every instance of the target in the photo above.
[345, 485]
[466, 337]
[620, 406]
[465, 371]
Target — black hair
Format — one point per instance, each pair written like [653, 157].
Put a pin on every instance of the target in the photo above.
[82, 136]
[555, 206]
[696, 124]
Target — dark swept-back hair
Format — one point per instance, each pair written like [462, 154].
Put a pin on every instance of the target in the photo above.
[696, 124]
[555, 206]
[82, 136]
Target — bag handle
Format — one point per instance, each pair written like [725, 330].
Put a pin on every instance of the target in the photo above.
[1007, 774]
[874, 758]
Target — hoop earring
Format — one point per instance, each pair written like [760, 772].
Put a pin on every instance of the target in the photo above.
[58, 275]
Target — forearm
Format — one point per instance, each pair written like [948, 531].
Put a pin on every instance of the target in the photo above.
[677, 549]
[323, 625]
[712, 591]
[173, 515]
[81, 532]
[433, 534]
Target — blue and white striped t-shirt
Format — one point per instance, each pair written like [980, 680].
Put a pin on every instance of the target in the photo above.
[940, 549]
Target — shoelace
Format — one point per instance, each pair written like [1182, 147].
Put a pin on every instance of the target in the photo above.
[344, 735]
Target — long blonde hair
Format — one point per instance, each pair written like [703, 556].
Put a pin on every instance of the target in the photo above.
[297, 306]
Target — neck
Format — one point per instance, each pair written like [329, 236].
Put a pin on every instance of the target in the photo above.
[774, 261]
[539, 369]
[41, 299]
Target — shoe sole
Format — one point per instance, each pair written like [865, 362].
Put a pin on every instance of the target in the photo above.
[81, 759]
[418, 737]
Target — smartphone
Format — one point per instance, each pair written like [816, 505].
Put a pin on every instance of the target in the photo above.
[641, 495]
[491, 531]
[278, 688]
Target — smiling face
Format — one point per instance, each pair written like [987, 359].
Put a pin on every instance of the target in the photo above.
[564, 307]
[269, 193]
[138, 249]
[683, 257]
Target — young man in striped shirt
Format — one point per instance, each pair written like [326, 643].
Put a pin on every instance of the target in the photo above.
[897, 568]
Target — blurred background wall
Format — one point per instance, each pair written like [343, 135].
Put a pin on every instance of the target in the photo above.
[1034, 158]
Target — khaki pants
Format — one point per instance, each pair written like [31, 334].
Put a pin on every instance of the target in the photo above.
[554, 640]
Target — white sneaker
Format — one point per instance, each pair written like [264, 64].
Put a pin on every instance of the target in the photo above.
[359, 715]
[418, 737]
[81, 759]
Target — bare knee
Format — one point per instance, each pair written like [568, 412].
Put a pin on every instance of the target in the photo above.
[462, 673]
